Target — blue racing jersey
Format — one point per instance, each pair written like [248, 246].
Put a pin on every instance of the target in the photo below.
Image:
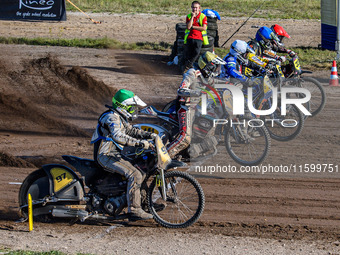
[231, 69]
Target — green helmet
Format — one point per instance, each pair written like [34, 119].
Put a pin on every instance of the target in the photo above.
[126, 102]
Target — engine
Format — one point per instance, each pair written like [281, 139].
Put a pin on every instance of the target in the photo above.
[114, 205]
[110, 205]
[202, 126]
[109, 194]
[111, 185]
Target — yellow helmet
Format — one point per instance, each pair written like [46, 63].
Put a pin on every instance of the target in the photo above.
[210, 64]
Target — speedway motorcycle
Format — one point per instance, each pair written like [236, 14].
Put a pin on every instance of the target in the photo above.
[294, 77]
[291, 74]
[174, 198]
[247, 144]
[280, 127]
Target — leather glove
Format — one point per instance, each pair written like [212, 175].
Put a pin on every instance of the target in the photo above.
[292, 54]
[153, 136]
[145, 144]
[283, 59]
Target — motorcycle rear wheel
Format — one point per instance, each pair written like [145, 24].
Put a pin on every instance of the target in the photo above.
[250, 145]
[36, 184]
[184, 204]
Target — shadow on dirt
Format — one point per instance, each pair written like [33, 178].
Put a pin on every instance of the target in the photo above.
[12, 215]
[142, 64]
[9, 214]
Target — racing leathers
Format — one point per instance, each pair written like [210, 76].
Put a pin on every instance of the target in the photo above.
[187, 98]
[235, 70]
[112, 134]
[271, 51]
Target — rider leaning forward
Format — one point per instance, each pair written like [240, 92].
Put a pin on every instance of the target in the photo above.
[113, 132]
[240, 57]
[269, 41]
[208, 67]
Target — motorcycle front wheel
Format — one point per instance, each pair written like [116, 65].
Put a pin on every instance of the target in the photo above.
[285, 127]
[247, 144]
[184, 203]
[318, 95]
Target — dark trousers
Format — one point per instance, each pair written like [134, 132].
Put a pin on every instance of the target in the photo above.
[192, 52]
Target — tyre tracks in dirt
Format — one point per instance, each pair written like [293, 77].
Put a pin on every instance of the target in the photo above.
[287, 206]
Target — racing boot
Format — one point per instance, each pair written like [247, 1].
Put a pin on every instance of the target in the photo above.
[139, 214]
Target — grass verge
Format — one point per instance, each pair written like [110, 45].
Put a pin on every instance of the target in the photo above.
[103, 43]
[288, 9]
[310, 58]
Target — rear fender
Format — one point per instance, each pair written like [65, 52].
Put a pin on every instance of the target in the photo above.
[64, 182]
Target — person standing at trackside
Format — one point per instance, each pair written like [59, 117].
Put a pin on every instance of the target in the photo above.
[195, 35]
[113, 132]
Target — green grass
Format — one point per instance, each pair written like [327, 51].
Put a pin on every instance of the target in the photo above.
[310, 58]
[283, 9]
[314, 58]
[102, 43]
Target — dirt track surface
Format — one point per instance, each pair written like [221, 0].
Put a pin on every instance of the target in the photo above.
[50, 98]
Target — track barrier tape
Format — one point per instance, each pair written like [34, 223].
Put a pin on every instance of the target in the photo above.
[96, 22]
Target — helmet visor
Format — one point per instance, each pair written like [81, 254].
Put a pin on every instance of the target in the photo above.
[134, 101]
[132, 108]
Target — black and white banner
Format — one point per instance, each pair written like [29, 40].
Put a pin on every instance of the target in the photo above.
[32, 10]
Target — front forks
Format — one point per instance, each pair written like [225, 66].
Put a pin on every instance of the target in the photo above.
[160, 182]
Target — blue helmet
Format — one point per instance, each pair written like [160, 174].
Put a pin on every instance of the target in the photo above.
[239, 49]
[265, 36]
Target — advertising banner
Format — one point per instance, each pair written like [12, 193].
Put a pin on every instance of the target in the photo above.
[32, 10]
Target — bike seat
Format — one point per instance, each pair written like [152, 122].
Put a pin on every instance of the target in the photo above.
[86, 167]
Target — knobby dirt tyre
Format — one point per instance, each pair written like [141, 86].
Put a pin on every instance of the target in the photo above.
[169, 107]
[318, 95]
[185, 200]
